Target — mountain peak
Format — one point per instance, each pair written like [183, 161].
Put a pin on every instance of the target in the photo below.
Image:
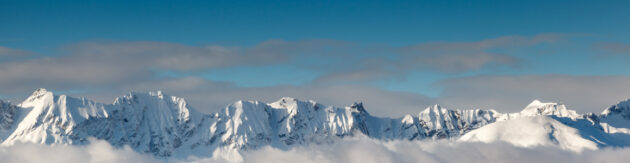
[537, 107]
[154, 122]
[359, 107]
[287, 100]
[39, 93]
[434, 108]
[40, 90]
[617, 108]
[133, 94]
[538, 103]
[158, 94]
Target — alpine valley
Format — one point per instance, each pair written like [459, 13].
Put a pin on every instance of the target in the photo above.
[166, 126]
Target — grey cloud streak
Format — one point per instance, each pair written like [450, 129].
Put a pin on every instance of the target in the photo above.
[503, 93]
[98, 64]
[8, 52]
[109, 69]
[614, 48]
[446, 57]
[113, 64]
[512, 93]
[104, 70]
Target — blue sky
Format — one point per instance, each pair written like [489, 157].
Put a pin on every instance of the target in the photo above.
[407, 48]
[41, 25]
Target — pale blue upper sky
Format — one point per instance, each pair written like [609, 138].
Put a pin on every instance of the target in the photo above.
[371, 39]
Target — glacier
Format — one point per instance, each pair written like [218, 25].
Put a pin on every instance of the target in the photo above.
[166, 126]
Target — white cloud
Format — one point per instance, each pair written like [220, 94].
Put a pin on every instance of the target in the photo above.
[97, 151]
[366, 150]
[351, 150]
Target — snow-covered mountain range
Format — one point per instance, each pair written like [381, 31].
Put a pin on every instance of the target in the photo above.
[167, 126]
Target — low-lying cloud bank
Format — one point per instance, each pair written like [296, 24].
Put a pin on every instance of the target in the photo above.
[98, 151]
[365, 151]
[351, 150]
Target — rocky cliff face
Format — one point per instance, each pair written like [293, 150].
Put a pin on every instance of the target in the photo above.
[8, 116]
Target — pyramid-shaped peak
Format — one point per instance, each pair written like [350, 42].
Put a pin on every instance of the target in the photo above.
[538, 103]
[535, 102]
[39, 93]
[287, 99]
[537, 107]
[434, 108]
[284, 101]
[437, 106]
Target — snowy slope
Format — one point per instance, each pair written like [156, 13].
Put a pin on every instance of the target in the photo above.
[538, 108]
[552, 124]
[440, 122]
[167, 126]
[615, 121]
[530, 132]
[615, 117]
[151, 122]
[49, 118]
